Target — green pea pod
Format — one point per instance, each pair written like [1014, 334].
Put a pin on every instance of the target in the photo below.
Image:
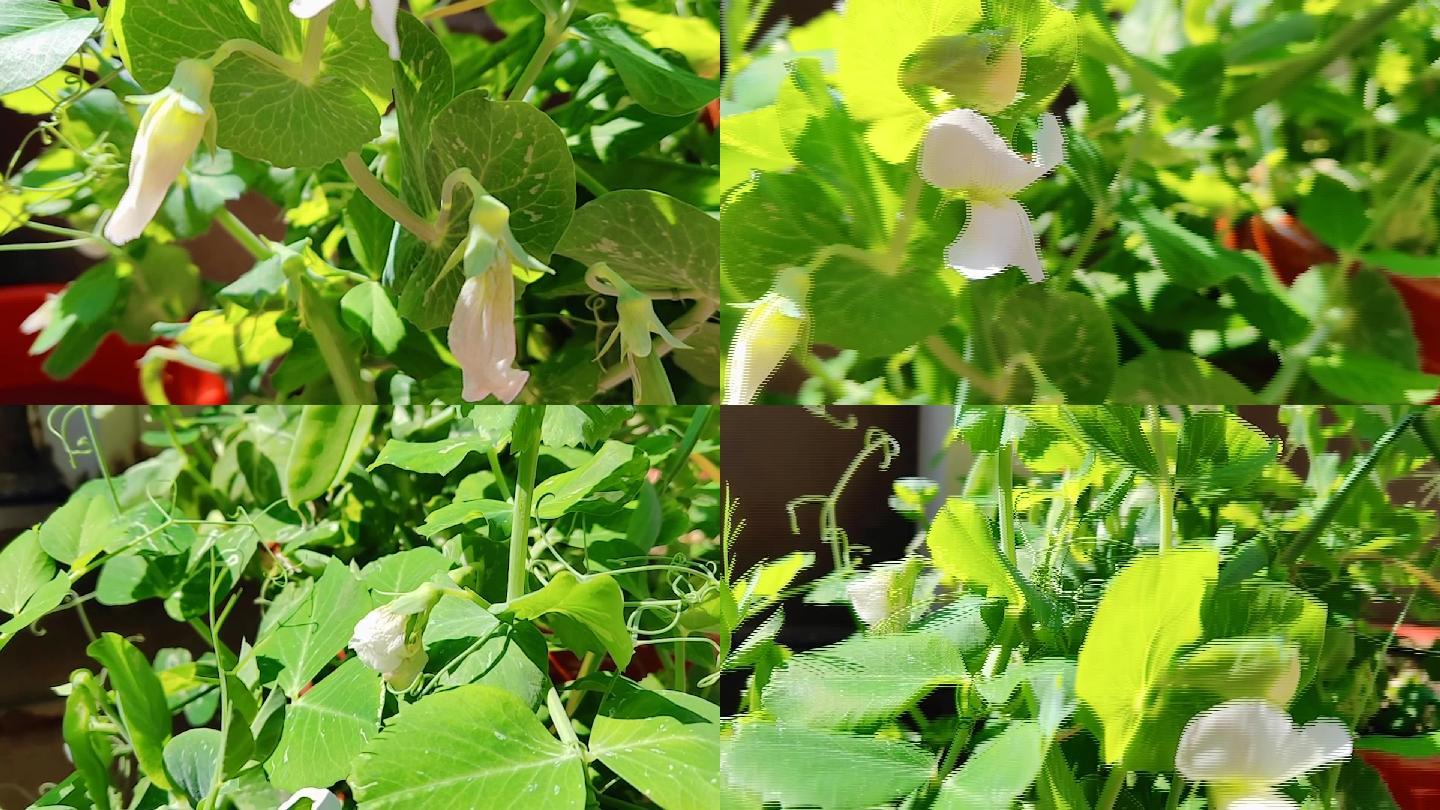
[328, 441]
[89, 749]
[141, 700]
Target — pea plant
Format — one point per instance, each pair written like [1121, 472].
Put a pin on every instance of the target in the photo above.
[1123, 607]
[498, 606]
[464, 215]
[1206, 202]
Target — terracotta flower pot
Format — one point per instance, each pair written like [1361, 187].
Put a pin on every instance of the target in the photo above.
[1412, 776]
[1290, 249]
[110, 377]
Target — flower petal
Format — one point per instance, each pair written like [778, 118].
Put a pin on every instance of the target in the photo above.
[305, 9]
[962, 151]
[997, 236]
[1268, 800]
[382, 19]
[1049, 144]
[168, 136]
[1251, 741]
[870, 594]
[482, 336]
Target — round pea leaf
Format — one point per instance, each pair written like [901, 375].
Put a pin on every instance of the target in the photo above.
[520, 156]
[652, 240]
[1068, 336]
[1176, 378]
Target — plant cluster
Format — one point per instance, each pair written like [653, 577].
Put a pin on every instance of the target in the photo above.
[494, 205]
[497, 606]
[1124, 607]
[1240, 204]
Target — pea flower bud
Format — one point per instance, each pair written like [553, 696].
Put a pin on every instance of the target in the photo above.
[870, 594]
[482, 328]
[174, 124]
[962, 152]
[978, 70]
[637, 317]
[382, 17]
[770, 329]
[388, 639]
[1244, 748]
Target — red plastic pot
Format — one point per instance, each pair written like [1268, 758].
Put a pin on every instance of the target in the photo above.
[1290, 249]
[1413, 780]
[110, 377]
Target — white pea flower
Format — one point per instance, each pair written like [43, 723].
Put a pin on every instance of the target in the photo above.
[383, 643]
[962, 152]
[482, 328]
[320, 799]
[382, 17]
[769, 331]
[1244, 748]
[178, 118]
[870, 594]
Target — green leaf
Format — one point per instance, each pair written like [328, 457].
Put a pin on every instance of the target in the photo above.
[965, 550]
[424, 84]
[90, 750]
[77, 531]
[591, 611]
[1381, 324]
[1373, 380]
[193, 761]
[327, 727]
[322, 120]
[510, 656]
[869, 76]
[141, 701]
[1052, 682]
[604, 483]
[778, 762]
[1150, 610]
[1218, 451]
[44, 600]
[476, 740]
[1166, 377]
[659, 86]
[781, 220]
[863, 680]
[999, 771]
[1403, 264]
[317, 629]
[24, 568]
[666, 744]
[367, 310]
[1333, 212]
[327, 443]
[436, 458]
[654, 241]
[1192, 261]
[1270, 610]
[496, 514]
[37, 37]
[1068, 335]
[404, 571]
[521, 157]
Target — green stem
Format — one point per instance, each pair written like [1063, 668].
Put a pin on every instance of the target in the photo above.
[494, 457]
[1177, 787]
[1004, 494]
[561, 720]
[555, 32]
[525, 444]
[1111, 791]
[314, 47]
[257, 51]
[588, 180]
[1331, 507]
[1164, 486]
[687, 445]
[241, 233]
[393, 206]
